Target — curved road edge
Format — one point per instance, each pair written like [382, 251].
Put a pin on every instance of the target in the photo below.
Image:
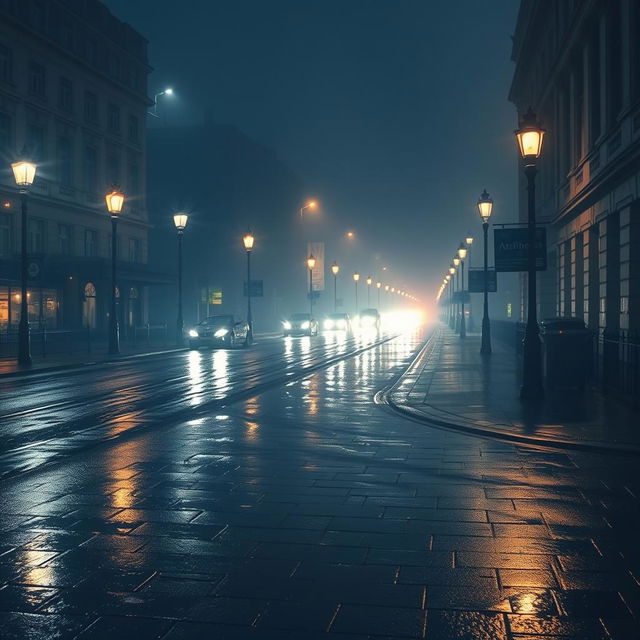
[393, 396]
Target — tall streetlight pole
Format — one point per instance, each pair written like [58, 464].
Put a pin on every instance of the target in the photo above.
[452, 273]
[335, 269]
[485, 207]
[369, 281]
[180, 221]
[456, 264]
[311, 204]
[356, 277]
[469, 241]
[311, 263]
[24, 173]
[248, 240]
[378, 287]
[462, 254]
[115, 200]
[167, 92]
[530, 136]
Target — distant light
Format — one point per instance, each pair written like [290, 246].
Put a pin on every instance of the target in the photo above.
[356, 276]
[350, 234]
[462, 251]
[311, 262]
[6, 205]
[168, 91]
[248, 239]
[180, 221]
[335, 268]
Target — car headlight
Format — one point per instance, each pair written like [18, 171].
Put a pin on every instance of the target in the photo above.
[304, 325]
[368, 320]
[342, 324]
[328, 324]
[221, 333]
[286, 325]
[193, 333]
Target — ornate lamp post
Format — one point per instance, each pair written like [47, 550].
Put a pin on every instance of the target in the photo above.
[24, 173]
[311, 263]
[180, 221]
[115, 200]
[248, 240]
[462, 254]
[369, 281]
[530, 136]
[456, 264]
[378, 286]
[335, 269]
[485, 207]
[452, 273]
[356, 277]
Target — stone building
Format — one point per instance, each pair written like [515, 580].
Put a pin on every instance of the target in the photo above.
[578, 67]
[73, 93]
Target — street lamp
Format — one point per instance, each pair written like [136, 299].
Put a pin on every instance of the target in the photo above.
[335, 269]
[311, 263]
[452, 273]
[485, 207]
[248, 240]
[24, 173]
[378, 286]
[530, 136]
[356, 277]
[310, 204]
[180, 221]
[456, 264]
[166, 92]
[369, 281]
[115, 200]
[462, 254]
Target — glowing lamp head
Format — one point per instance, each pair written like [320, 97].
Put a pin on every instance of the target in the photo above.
[378, 284]
[311, 262]
[485, 206]
[351, 235]
[386, 287]
[462, 251]
[456, 261]
[247, 240]
[356, 276]
[452, 270]
[393, 289]
[468, 241]
[115, 200]
[335, 268]
[369, 281]
[448, 277]
[180, 221]
[168, 91]
[24, 172]
[530, 136]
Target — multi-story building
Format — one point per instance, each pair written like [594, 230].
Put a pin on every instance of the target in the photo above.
[73, 93]
[578, 67]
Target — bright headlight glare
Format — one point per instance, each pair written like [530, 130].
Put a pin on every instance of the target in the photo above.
[286, 325]
[193, 333]
[328, 324]
[304, 325]
[342, 324]
[220, 333]
[367, 320]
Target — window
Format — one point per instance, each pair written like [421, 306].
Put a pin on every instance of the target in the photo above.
[113, 167]
[6, 135]
[113, 118]
[134, 250]
[89, 306]
[91, 107]
[37, 80]
[64, 239]
[65, 94]
[6, 235]
[35, 235]
[6, 64]
[90, 170]
[134, 133]
[65, 161]
[90, 243]
[36, 141]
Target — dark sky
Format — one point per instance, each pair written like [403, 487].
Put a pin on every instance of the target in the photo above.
[393, 112]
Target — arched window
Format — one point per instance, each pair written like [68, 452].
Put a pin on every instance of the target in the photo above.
[89, 306]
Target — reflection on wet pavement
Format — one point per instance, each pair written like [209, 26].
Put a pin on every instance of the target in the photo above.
[307, 511]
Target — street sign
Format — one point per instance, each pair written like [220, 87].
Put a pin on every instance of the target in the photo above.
[476, 281]
[461, 296]
[511, 247]
[256, 289]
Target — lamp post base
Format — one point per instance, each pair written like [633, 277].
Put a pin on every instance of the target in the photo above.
[24, 345]
[114, 339]
[485, 349]
[532, 387]
[463, 328]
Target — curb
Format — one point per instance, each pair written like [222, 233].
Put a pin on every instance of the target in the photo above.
[387, 396]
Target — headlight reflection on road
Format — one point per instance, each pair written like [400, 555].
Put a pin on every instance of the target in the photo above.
[195, 378]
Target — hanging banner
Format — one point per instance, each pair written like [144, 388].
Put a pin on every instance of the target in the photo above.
[511, 246]
[316, 249]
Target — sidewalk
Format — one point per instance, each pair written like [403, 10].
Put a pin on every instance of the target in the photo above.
[450, 385]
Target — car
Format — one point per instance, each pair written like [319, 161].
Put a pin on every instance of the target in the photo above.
[369, 319]
[300, 324]
[337, 322]
[219, 331]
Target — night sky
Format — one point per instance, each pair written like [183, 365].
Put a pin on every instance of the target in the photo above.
[394, 113]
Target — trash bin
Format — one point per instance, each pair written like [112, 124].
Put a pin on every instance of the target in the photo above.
[566, 352]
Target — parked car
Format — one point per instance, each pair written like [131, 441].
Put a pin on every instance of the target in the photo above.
[369, 319]
[300, 324]
[219, 331]
[337, 322]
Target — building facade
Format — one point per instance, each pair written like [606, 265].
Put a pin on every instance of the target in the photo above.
[73, 94]
[578, 67]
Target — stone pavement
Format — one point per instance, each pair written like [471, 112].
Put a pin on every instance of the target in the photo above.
[309, 512]
[451, 385]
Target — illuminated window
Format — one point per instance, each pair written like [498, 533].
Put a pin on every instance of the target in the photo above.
[509, 310]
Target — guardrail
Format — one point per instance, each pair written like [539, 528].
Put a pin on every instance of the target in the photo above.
[45, 342]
